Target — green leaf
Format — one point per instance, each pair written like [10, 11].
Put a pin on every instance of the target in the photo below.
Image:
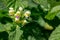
[54, 2]
[31, 4]
[6, 27]
[21, 3]
[41, 21]
[16, 34]
[2, 4]
[9, 3]
[25, 3]
[58, 15]
[11, 35]
[2, 28]
[45, 25]
[54, 11]
[44, 4]
[55, 34]
[31, 38]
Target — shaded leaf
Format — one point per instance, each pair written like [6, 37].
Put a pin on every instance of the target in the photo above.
[54, 2]
[44, 4]
[31, 38]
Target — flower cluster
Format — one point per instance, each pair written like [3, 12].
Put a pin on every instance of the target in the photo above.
[19, 17]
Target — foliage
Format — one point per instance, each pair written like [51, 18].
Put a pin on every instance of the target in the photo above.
[55, 34]
[42, 23]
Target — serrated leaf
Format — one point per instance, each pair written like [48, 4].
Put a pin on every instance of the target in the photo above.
[54, 11]
[55, 34]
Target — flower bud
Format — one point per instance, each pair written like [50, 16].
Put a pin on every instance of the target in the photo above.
[20, 8]
[48, 27]
[27, 14]
[24, 22]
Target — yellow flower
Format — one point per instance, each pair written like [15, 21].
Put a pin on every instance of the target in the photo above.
[17, 14]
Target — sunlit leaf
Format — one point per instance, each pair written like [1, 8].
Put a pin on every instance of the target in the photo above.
[54, 11]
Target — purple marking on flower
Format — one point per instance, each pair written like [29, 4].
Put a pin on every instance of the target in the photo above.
[17, 16]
